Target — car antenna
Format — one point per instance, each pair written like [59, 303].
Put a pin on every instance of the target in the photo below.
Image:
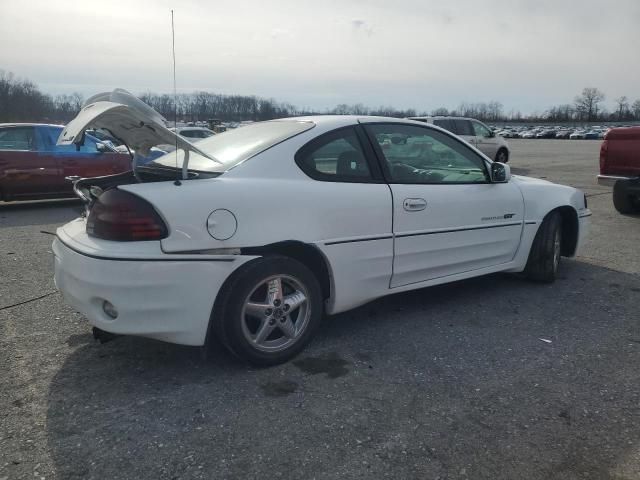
[175, 99]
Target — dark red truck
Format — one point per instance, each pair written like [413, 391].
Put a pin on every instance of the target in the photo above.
[620, 167]
[32, 166]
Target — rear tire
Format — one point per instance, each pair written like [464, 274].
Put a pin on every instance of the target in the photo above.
[258, 324]
[622, 200]
[545, 253]
[502, 156]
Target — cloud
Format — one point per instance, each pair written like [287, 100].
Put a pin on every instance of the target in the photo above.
[362, 26]
[280, 33]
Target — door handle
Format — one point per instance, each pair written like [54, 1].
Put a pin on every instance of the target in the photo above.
[414, 204]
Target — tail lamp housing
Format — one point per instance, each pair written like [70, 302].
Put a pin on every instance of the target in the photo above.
[124, 217]
[604, 149]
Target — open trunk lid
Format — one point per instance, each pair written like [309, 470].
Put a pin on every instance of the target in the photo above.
[129, 120]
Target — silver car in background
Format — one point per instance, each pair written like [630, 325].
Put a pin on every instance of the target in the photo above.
[474, 132]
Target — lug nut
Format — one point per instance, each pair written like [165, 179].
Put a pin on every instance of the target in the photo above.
[268, 312]
[283, 319]
[272, 322]
[277, 302]
[286, 307]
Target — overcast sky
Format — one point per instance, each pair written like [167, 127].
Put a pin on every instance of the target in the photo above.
[405, 53]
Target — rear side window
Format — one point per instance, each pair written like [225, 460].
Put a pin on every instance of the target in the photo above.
[17, 138]
[49, 136]
[335, 157]
[446, 124]
[464, 127]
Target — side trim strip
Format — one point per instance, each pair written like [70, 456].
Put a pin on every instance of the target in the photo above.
[384, 237]
[511, 224]
[585, 215]
[530, 223]
[119, 259]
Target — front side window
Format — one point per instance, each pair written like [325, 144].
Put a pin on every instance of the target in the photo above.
[17, 138]
[480, 130]
[424, 155]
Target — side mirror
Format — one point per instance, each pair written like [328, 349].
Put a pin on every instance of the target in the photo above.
[102, 148]
[491, 134]
[500, 172]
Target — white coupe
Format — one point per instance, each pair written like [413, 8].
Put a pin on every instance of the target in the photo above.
[254, 234]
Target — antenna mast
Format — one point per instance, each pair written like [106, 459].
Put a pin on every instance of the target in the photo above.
[175, 96]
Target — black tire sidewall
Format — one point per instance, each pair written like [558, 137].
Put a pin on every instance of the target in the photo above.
[229, 327]
[506, 155]
[540, 265]
[622, 200]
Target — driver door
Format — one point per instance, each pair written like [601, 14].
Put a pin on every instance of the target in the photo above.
[448, 218]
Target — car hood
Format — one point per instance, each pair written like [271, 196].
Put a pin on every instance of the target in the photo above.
[530, 180]
[128, 119]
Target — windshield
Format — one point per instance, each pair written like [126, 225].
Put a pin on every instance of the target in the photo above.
[234, 146]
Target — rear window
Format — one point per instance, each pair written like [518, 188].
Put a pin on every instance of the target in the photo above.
[234, 146]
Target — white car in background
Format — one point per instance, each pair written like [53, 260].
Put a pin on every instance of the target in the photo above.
[475, 132]
[254, 234]
[193, 133]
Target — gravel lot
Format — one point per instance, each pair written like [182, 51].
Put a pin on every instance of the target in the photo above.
[451, 382]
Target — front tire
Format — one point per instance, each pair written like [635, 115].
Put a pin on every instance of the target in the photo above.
[502, 156]
[545, 253]
[269, 310]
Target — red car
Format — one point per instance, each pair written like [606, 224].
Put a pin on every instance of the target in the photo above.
[620, 167]
[33, 167]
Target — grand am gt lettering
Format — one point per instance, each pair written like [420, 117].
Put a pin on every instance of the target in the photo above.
[506, 216]
[277, 223]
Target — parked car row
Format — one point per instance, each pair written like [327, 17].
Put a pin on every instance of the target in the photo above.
[592, 133]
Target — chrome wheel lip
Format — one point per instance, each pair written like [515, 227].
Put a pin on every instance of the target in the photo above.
[280, 317]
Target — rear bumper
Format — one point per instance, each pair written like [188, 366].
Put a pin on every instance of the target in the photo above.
[609, 180]
[169, 300]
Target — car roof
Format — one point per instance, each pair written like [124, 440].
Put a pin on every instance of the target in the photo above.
[442, 117]
[336, 121]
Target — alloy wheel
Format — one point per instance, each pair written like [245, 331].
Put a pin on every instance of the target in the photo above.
[276, 313]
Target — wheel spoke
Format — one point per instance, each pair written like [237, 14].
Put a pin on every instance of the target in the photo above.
[257, 310]
[294, 300]
[274, 290]
[263, 332]
[288, 328]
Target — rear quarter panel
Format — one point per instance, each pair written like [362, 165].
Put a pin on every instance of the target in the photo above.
[623, 152]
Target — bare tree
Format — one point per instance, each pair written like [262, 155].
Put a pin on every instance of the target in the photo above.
[587, 103]
[440, 111]
[636, 109]
[623, 106]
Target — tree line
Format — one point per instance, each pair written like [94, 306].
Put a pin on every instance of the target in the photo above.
[22, 101]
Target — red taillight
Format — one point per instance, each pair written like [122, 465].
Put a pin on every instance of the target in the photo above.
[124, 217]
[603, 155]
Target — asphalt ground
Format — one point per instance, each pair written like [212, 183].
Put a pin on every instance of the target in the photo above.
[494, 377]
